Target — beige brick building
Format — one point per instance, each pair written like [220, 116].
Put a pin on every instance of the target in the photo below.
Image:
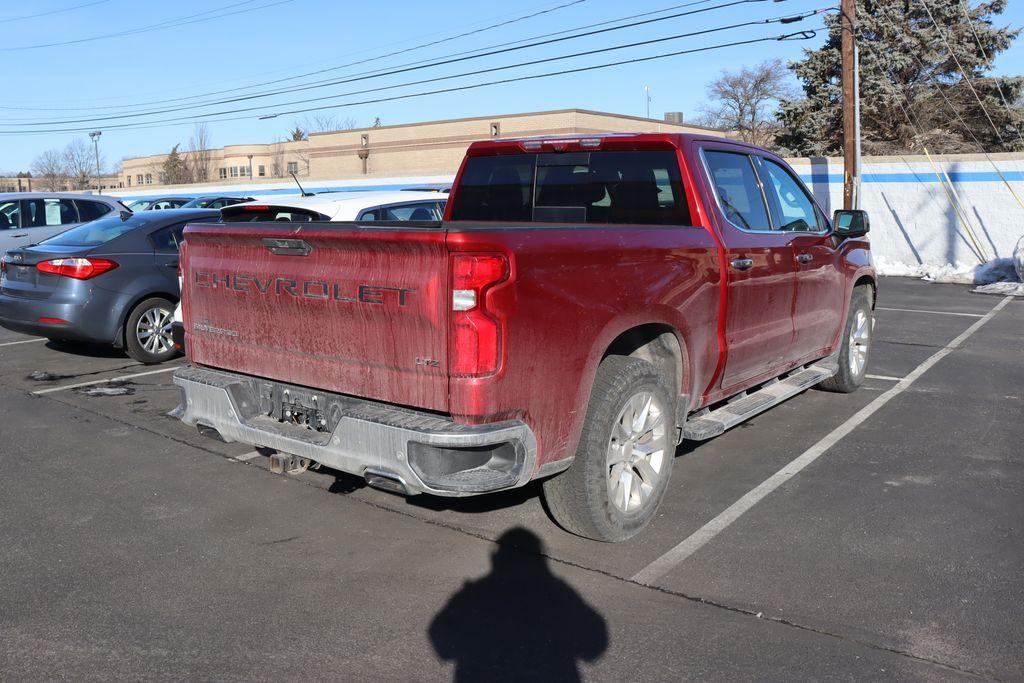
[434, 147]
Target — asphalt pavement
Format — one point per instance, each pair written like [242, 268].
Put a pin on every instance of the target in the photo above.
[889, 547]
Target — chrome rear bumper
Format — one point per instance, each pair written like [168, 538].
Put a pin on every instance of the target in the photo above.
[427, 453]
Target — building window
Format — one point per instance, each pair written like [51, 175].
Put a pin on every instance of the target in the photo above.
[293, 167]
[263, 170]
[149, 178]
[234, 171]
[495, 130]
[129, 179]
[364, 140]
[138, 179]
[222, 172]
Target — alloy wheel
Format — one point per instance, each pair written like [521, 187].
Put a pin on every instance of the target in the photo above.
[153, 331]
[637, 451]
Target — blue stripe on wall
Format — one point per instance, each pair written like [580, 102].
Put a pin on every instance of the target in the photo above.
[920, 177]
[808, 178]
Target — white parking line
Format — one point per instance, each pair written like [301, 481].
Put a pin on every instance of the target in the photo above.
[661, 566]
[887, 378]
[918, 310]
[25, 341]
[50, 390]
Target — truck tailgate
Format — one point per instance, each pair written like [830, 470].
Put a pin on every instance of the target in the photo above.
[336, 307]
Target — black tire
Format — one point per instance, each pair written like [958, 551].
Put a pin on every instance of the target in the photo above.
[579, 499]
[848, 379]
[132, 344]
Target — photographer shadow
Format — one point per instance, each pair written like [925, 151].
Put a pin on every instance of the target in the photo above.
[520, 622]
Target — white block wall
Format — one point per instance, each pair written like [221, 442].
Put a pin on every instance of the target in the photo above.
[913, 220]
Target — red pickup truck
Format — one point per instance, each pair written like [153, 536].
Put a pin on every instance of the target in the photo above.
[585, 305]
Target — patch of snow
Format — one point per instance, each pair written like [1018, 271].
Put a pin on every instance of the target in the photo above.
[44, 376]
[109, 390]
[996, 270]
[1001, 288]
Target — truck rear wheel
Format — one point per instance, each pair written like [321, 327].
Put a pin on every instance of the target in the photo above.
[624, 459]
[856, 346]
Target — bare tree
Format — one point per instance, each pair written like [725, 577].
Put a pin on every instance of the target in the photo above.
[323, 122]
[51, 171]
[277, 161]
[745, 101]
[199, 156]
[80, 164]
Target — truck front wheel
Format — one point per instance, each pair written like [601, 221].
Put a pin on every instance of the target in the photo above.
[624, 459]
[853, 352]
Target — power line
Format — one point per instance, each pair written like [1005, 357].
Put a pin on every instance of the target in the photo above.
[798, 35]
[394, 71]
[169, 23]
[52, 12]
[298, 76]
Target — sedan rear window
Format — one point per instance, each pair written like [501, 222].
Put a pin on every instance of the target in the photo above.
[98, 232]
[625, 187]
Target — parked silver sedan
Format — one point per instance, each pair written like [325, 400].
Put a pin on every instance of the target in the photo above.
[31, 217]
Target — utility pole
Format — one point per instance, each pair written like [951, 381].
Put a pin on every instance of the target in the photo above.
[851, 105]
[647, 96]
[95, 135]
[250, 167]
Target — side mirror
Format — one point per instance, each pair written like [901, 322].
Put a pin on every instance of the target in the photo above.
[850, 223]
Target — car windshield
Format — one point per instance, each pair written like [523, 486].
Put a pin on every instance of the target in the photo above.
[97, 232]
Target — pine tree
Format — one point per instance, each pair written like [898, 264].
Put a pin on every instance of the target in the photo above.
[175, 170]
[908, 72]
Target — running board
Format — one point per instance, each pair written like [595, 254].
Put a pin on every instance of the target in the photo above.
[708, 424]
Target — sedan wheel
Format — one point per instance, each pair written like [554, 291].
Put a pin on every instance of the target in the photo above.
[147, 335]
[154, 330]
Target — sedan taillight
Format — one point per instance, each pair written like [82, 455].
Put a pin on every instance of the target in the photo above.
[77, 268]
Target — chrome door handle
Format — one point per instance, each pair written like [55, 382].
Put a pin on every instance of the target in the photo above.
[742, 263]
[24, 234]
[804, 258]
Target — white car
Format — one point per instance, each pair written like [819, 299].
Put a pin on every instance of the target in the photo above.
[402, 205]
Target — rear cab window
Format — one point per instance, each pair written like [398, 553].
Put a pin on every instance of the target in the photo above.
[616, 187]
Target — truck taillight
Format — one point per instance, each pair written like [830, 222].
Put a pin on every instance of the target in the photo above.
[476, 330]
[77, 268]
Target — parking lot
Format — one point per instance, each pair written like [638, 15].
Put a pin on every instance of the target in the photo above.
[875, 535]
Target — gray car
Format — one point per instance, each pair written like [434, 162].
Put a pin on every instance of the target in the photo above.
[111, 281]
[30, 217]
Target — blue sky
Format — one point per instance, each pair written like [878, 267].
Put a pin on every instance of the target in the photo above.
[262, 40]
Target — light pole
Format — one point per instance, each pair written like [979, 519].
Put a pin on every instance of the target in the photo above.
[250, 168]
[647, 96]
[95, 135]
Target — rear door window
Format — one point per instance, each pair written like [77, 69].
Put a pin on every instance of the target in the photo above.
[738, 190]
[40, 213]
[90, 211]
[626, 187]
